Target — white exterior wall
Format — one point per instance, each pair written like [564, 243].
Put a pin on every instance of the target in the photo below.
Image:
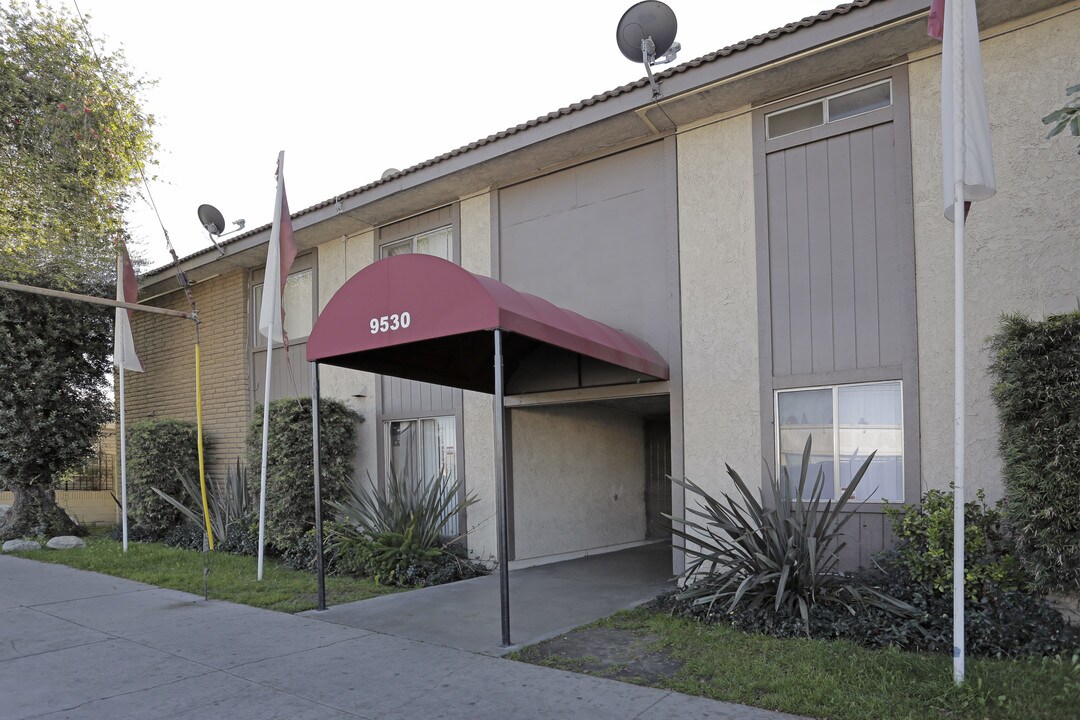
[717, 255]
[339, 260]
[579, 479]
[1023, 245]
[477, 410]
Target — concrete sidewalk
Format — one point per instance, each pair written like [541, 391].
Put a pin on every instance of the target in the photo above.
[75, 644]
[545, 601]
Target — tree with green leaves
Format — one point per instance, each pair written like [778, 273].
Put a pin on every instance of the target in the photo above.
[54, 357]
[74, 143]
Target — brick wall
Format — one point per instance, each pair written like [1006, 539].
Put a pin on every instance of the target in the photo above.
[166, 346]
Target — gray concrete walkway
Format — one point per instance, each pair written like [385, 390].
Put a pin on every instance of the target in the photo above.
[76, 644]
[545, 601]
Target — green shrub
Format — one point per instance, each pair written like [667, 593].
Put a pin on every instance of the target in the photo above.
[924, 547]
[782, 558]
[1036, 366]
[290, 489]
[160, 452]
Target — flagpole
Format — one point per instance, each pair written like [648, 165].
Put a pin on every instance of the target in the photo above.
[123, 461]
[265, 447]
[957, 8]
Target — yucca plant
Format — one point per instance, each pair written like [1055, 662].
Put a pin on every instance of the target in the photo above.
[425, 507]
[228, 504]
[750, 554]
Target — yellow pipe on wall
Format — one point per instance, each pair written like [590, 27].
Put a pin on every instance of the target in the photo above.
[202, 464]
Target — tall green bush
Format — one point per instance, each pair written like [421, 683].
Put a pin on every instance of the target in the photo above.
[290, 490]
[1036, 366]
[160, 452]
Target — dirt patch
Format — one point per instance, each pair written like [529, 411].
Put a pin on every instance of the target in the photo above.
[616, 653]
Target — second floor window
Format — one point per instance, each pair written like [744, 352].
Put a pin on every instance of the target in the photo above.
[436, 242]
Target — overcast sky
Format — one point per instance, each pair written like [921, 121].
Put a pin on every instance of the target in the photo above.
[349, 89]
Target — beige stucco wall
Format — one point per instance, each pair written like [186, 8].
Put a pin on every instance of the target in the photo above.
[339, 260]
[568, 496]
[1023, 245]
[722, 418]
[478, 408]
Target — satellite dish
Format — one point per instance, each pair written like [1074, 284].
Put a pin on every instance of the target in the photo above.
[211, 219]
[389, 172]
[646, 34]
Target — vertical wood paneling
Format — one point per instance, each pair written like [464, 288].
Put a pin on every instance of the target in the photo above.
[798, 270]
[842, 253]
[888, 257]
[820, 302]
[778, 264]
[864, 228]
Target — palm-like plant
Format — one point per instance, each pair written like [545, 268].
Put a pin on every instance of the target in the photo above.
[407, 506]
[785, 554]
[228, 504]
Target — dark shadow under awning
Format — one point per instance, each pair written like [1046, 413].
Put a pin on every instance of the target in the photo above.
[423, 318]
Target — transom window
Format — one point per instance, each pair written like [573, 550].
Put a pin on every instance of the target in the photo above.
[847, 423]
[297, 299]
[436, 242]
[829, 109]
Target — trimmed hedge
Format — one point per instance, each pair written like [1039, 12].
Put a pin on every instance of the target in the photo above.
[157, 451]
[290, 489]
[1036, 365]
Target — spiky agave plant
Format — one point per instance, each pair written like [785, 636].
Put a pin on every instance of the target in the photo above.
[785, 554]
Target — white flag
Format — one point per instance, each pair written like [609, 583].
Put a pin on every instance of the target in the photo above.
[978, 174]
[127, 290]
[280, 253]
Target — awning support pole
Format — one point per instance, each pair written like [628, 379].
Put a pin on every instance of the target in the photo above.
[501, 504]
[320, 570]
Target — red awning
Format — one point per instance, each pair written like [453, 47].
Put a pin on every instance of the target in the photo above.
[422, 318]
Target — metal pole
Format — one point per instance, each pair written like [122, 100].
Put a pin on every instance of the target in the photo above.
[958, 12]
[265, 444]
[501, 504]
[123, 460]
[94, 300]
[320, 571]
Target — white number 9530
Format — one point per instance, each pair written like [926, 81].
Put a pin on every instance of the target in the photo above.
[389, 323]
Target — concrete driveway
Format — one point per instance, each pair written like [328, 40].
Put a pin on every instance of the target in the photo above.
[545, 601]
[75, 644]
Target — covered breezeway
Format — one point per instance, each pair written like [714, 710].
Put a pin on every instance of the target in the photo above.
[422, 318]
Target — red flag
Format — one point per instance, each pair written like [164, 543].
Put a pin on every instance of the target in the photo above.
[936, 26]
[127, 290]
[280, 253]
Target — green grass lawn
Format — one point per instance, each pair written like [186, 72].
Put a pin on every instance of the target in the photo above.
[232, 577]
[837, 679]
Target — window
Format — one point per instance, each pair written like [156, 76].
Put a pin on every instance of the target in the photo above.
[830, 109]
[847, 423]
[436, 242]
[423, 450]
[298, 308]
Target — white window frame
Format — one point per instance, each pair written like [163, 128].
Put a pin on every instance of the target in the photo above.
[824, 102]
[454, 524]
[413, 238]
[837, 489]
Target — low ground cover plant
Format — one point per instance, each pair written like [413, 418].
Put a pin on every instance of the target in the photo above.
[755, 566]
